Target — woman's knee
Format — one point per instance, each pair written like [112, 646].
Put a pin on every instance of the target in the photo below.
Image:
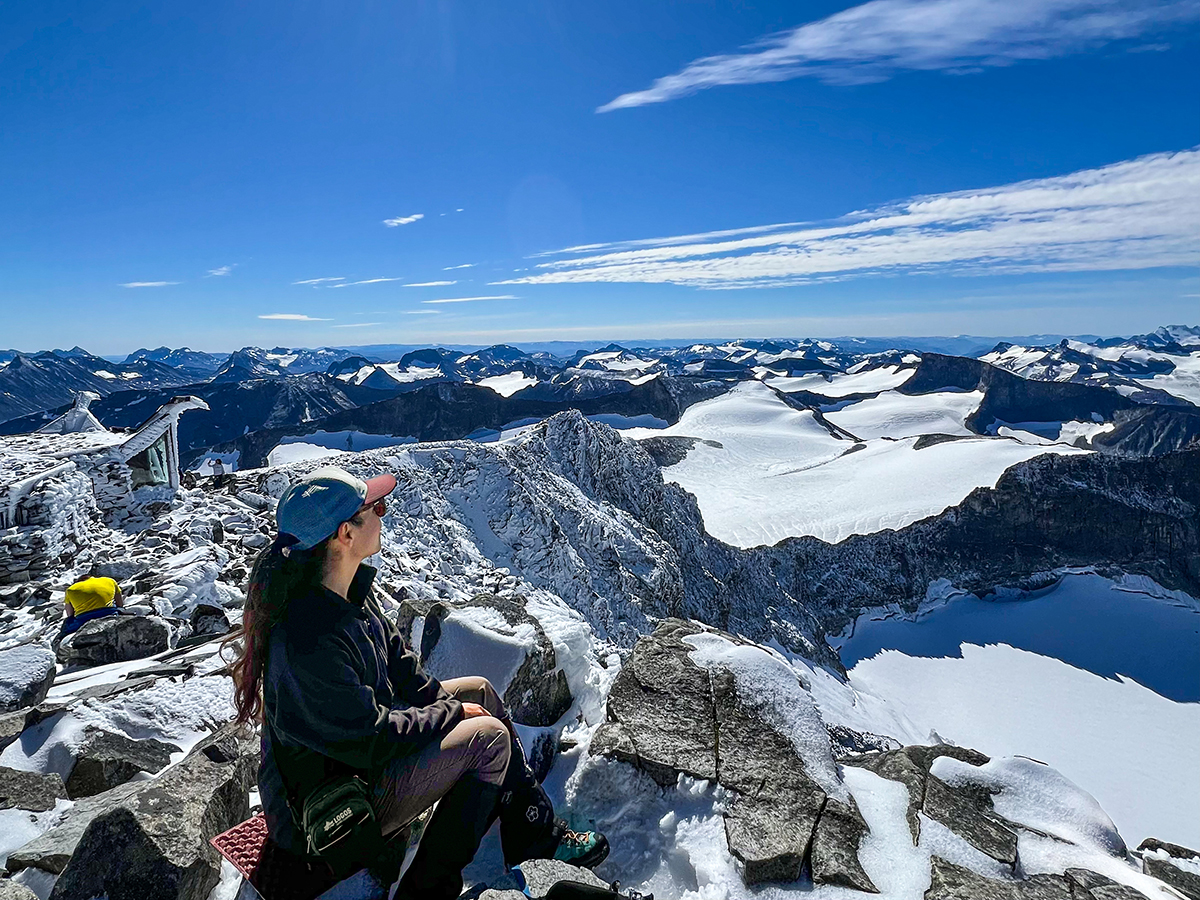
[476, 686]
[493, 748]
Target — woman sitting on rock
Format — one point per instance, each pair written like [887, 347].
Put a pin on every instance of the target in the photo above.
[340, 694]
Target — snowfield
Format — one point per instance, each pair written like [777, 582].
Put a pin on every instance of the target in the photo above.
[1101, 682]
[779, 473]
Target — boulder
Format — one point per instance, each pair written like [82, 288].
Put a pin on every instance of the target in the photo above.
[106, 760]
[834, 860]
[660, 710]
[31, 791]
[497, 638]
[208, 619]
[26, 673]
[1087, 885]
[1177, 866]
[149, 840]
[115, 639]
[15, 595]
[11, 726]
[910, 766]
[968, 813]
[951, 882]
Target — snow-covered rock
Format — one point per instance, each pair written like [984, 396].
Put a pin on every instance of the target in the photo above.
[26, 673]
[113, 639]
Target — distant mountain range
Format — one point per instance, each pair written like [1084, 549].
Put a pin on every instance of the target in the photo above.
[259, 397]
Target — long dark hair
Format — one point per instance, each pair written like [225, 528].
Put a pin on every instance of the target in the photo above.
[278, 574]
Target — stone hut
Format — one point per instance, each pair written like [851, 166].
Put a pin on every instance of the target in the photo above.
[57, 480]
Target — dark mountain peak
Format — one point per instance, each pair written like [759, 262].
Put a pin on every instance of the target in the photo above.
[347, 366]
[423, 358]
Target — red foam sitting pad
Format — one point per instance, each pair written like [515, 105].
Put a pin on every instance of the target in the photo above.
[275, 873]
[243, 844]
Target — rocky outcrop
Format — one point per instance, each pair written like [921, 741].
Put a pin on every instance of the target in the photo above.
[150, 840]
[839, 834]
[10, 890]
[106, 760]
[208, 619]
[669, 717]
[951, 882]
[31, 791]
[115, 639]
[1177, 866]
[26, 673]
[910, 766]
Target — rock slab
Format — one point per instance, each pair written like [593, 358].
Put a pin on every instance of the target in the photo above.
[31, 791]
[106, 760]
[115, 639]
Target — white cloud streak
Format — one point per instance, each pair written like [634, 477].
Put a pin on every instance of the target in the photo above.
[141, 284]
[220, 270]
[431, 284]
[403, 220]
[422, 312]
[364, 281]
[1138, 214]
[471, 299]
[873, 41]
[320, 280]
[463, 266]
[358, 325]
[293, 317]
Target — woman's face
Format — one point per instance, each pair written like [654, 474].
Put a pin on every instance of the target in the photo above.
[365, 536]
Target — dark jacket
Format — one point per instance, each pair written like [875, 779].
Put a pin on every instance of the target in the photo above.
[341, 693]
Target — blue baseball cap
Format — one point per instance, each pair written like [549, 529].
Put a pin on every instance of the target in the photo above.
[313, 508]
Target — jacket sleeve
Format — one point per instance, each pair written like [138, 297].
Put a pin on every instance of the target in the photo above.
[322, 703]
[412, 683]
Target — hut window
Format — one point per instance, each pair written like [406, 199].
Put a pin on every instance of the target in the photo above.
[150, 466]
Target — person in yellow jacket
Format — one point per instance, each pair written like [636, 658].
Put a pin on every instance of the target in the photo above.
[90, 599]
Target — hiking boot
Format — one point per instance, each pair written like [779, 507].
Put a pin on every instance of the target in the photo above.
[585, 849]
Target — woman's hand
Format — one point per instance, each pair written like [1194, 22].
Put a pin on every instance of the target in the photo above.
[471, 710]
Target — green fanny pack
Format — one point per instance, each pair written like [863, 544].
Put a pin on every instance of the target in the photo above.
[339, 824]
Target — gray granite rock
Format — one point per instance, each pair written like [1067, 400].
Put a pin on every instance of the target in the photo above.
[951, 882]
[10, 890]
[30, 791]
[106, 760]
[968, 813]
[1088, 885]
[115, 639]
[26, 673]
[149, 840]
[1159, 859]
[208, 619]
[770, 824]
[834, 857]
[910, 766]
[540, 875]
[11, 726]
[660, 710]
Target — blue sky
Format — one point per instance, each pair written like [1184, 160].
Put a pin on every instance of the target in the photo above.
[172, 174]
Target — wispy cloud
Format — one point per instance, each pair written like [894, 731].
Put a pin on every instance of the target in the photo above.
[422, 312]
[364, 281]
[220, 270]
[873, 41]
[137, 284]
[431, 283]
[320, 280]
[1137, 214]
[403, 220]
[358, 325]
[463, 266]
[293, 317]
[471, 299]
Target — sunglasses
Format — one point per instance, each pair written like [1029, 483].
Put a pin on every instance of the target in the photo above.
[378, 507]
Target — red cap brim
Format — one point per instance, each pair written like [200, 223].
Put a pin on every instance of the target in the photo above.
[378, 487]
